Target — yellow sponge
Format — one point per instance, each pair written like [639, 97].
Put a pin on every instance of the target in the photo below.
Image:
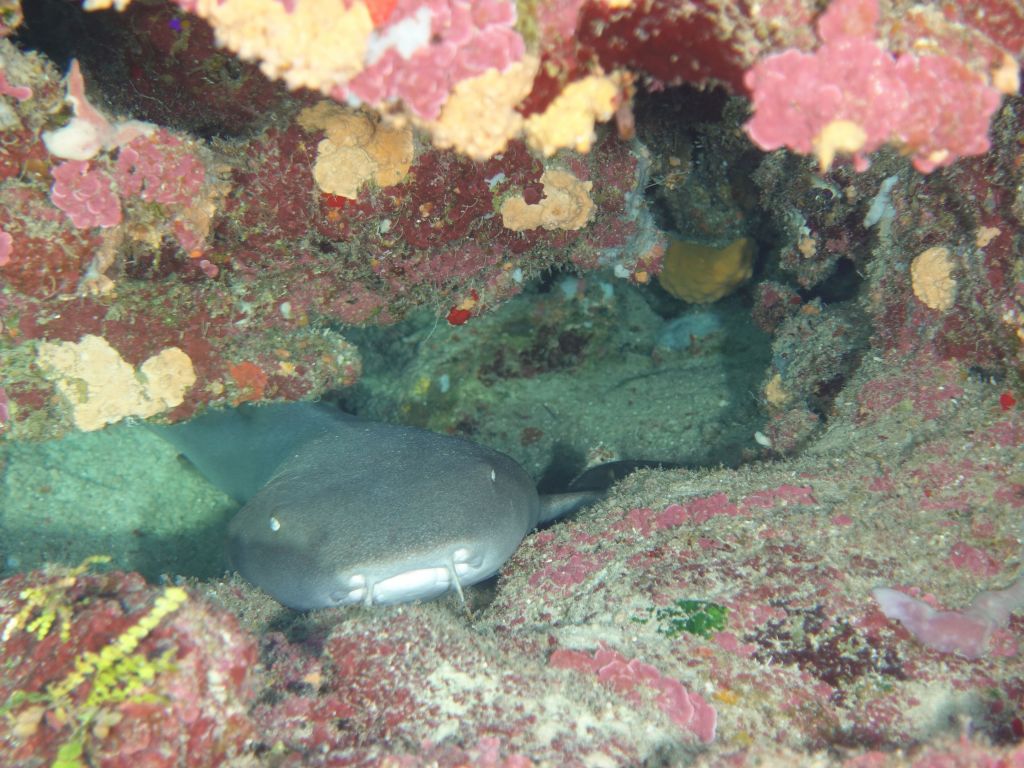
[701, 274]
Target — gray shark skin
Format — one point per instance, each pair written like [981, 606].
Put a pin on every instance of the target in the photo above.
[341, 511]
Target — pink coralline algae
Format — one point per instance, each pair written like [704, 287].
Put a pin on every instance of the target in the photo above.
[852, 95]
[684, 708]
[19, 92]
[782, 495]
[6, 248]
[159, 169]
[569, 567]
[694, 511]
[977, 561]
[464, 39]
[928, 384]
[486, 753]
[86, 194]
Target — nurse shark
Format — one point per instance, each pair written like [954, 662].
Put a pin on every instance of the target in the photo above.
[339, 511]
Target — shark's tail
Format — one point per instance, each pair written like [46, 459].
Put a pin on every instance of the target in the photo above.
[557, 505]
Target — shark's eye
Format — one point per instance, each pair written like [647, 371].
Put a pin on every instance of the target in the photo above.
[275, 524]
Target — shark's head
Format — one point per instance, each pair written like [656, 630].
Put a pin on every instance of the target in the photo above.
[377, 514]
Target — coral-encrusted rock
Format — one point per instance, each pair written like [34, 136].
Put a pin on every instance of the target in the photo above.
[125, 675]
[229, 251]
[389, 686]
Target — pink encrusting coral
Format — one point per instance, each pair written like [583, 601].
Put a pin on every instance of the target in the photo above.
[428, 47]
[853, 96]
[7, 88]
[160, 169]
[6, 247]
[631, 677]
[693, 511]
[86, 194]
[152, 165]
[568, 567]
[156, 168]
[963, 555]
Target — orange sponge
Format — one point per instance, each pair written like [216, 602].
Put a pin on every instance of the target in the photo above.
[701, 274]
